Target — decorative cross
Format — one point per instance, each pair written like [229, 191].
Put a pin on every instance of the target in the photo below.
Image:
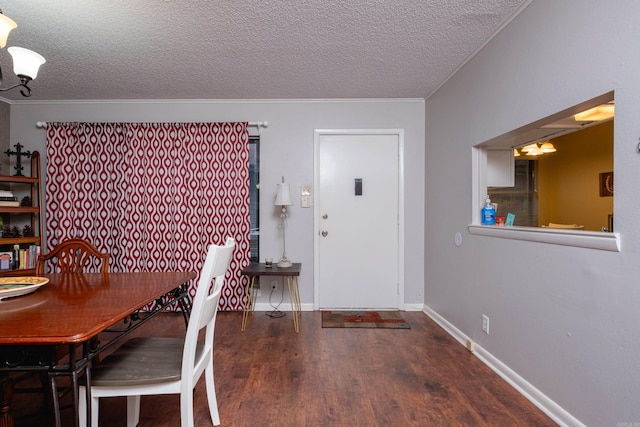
[18, 153]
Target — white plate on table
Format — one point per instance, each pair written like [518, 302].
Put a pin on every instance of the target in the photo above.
[21, 285]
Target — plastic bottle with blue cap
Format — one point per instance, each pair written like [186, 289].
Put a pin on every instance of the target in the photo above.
[488, 215]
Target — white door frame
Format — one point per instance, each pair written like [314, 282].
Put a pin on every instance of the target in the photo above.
[317, 134]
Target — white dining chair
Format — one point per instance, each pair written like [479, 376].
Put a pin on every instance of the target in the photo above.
[154, 365]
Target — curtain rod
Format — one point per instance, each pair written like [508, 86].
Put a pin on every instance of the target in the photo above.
[259, 124]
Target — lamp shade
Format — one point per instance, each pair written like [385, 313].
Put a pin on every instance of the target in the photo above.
[6, 25]
[535, 151]
[547, 147]
[283, 195]
[26, 62]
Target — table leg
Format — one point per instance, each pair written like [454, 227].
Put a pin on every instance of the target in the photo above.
[6, 401]
[294, 296]
[53, 388]
[87, 395]
[184, 302]
[75, 396]
[249, 300]
[297, 292]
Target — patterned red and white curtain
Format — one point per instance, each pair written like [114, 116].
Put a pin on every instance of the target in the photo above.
[153, 195]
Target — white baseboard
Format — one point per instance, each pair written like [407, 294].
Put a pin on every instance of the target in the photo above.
[265, 306]
[544, 403]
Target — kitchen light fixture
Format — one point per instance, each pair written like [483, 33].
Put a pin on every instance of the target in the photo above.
[547, 147]
[529, 147]
[283, 199]
[25, 62]
[596, 114]
[535, 149]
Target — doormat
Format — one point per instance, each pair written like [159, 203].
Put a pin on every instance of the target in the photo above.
[363, 319]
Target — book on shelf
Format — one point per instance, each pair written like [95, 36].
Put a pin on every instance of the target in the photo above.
[29, 256]
[13, 203]
[6, 193]
[6, 260]
[8, 198]
[26, 257]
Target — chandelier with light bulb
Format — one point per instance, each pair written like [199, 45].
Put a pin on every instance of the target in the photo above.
[25, 62]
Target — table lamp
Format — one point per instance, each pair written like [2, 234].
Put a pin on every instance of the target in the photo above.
[283, 198]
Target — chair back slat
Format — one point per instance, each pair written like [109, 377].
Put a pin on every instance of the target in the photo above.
[73, 256]
[205, 307]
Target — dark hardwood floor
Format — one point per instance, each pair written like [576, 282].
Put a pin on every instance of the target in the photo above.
[271, 376]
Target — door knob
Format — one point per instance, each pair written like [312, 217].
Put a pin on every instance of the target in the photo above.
[325, 216]
[324, 233]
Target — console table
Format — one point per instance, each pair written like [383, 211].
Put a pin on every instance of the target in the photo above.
[254, 271]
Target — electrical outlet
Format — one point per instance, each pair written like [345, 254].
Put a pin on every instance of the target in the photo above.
[485, 324]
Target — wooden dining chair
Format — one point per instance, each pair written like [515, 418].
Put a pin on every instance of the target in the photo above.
[74, 256]
[69, 256]
[149, 365]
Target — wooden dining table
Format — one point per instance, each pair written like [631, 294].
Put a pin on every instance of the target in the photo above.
[68, 313]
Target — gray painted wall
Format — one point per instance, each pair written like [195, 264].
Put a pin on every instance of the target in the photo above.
[286, 149]
[564, 318]
[5, 133]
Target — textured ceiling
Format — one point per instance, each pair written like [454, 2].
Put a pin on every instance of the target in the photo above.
[248, 49]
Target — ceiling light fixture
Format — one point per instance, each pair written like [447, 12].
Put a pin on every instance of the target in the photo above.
[547, 147]
[596, 114]
[536, 149]
[25, 62]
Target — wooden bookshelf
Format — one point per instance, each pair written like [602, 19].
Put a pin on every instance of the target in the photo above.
[24, 214]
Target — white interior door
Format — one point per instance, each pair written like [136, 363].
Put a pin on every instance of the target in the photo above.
[357, 220]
